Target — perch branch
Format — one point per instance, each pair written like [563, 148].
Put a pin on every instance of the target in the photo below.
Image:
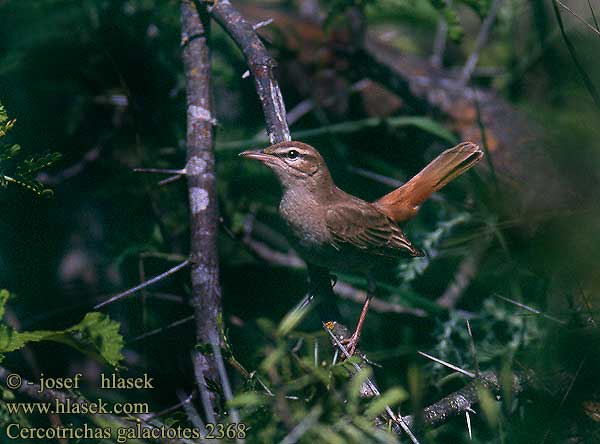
[201, 179]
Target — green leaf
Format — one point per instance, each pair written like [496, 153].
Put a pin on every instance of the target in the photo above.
[96, 334]
[24, 172]
[8, 152]
[36, 163]
[423, 123]
[4, 295]
[489, 406]
[390, 398]
[247, 399]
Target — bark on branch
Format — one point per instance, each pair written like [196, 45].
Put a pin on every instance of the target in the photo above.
[464, 399]
[200, 172]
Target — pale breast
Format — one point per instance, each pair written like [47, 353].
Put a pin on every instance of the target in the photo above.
[304, 219]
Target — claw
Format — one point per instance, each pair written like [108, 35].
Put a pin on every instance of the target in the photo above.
[350, 343]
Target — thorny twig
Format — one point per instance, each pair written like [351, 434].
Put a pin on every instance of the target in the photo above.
[143, 285]
[398, 419]
[462, 400]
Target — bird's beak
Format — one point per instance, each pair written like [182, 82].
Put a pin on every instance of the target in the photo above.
[256, 154]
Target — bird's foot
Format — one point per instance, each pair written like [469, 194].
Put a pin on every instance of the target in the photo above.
[350, 344]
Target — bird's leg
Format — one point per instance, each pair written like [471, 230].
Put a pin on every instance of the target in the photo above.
[352, 342]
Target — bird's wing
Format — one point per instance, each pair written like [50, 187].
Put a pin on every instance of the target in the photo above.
[364, 227]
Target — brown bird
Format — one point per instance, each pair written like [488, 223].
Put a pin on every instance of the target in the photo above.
[333, 229]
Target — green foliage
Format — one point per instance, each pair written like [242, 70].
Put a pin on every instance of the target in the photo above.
[408, 271]
[22, 172]
[96, 335]
[498, 332]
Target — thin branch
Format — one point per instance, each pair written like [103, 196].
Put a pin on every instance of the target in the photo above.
[190, 411]
[593, 15]
[225, 384]
[584, 76]
[439, 42]
[473, 349]
[143, 285]
[262, 24]
[398, 419]
[170, 179]
[342, 289]
[346, 291]
[159, 171]
[300, 110]
[447, 364]
[303, 426]
[468, 418]
[530, 309]
[482, 38]
[578, 17]
[174, 407]
[162, 329]
[463, 277]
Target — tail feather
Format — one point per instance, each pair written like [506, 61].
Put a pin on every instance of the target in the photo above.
[404, 202]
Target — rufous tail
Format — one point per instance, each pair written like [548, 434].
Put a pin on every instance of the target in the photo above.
[404, 202]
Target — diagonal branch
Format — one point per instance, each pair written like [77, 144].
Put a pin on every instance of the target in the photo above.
[462, 400]
[143, 285]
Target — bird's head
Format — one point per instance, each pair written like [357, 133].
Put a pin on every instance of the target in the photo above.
[294, 163]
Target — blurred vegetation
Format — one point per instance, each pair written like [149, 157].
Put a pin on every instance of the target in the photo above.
[101, 82]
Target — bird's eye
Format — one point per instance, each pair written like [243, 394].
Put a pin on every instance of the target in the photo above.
[292, 154]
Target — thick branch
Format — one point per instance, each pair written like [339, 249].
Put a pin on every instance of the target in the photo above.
[200, 169]
[463, 400]
[262, 68]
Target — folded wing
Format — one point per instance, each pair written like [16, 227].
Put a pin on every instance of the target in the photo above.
[364, 227]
